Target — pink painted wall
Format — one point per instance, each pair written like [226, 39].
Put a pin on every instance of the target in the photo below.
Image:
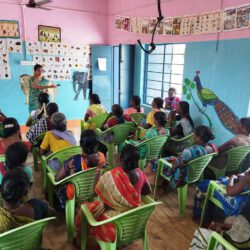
[170, 8]
[80, 20]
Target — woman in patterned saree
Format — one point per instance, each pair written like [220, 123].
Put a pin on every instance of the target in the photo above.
[120, 190]
[37, 85]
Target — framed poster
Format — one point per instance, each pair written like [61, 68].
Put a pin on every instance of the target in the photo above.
[9, 29]
[49, 34]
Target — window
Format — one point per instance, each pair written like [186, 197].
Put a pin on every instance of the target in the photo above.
[164, 69]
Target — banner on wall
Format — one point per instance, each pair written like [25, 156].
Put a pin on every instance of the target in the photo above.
[233, 18]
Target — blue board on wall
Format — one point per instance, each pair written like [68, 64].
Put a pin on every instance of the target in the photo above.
[12, 99]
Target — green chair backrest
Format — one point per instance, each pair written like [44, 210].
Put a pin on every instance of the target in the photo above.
[197, 166]
[64, 154]
[138, 117]
[132, 224]
[121, 131]
[1, 129]
[84, 184]
[95, 122]
[178, 145]
[154, 146]
[235, 157]
[27, 237]
[38, 139]
[217, 240]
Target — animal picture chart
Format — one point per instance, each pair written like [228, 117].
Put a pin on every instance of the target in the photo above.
[58, 59]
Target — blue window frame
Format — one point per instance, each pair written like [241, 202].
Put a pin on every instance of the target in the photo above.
[164, 69]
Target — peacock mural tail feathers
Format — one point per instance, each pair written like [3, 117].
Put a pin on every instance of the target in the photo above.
[227, 117]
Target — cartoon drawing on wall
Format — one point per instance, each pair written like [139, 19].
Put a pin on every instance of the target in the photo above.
[80, 83]
[24, 83]
[207, 97]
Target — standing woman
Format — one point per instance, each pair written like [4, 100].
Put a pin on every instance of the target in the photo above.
[37, 85]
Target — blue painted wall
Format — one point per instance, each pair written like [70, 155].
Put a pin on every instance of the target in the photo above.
[12, 99]
[225, 70]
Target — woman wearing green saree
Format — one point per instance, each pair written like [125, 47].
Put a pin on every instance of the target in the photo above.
[37, 85]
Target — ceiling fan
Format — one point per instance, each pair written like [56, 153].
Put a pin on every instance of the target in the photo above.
[39, 5]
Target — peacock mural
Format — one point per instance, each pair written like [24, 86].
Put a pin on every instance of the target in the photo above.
[207, 97]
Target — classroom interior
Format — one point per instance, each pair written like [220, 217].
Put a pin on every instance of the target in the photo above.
[104, 47]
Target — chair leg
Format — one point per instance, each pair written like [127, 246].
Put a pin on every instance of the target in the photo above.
[145, 241]
[44, 175]
[35, 157]
[84, 231]
[157, 177]
[182, 197]
[70, 218]
[111, 149]
[50, 193]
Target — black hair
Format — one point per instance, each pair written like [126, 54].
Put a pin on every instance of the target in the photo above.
[137, 102]
[117, 110]
[130, 157]
[184, 107]
[10, 127]
[16, 155]
[158, 102]
[43, 98]
[15, 186]
[245, 122]
[37, 66]
[161, 118]
[89, 141]
[172, 89]
[95, 99]
[204, 133]
[51, 108]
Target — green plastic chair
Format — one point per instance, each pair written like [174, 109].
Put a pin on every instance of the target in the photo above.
[235, 157]
[121, 133]
[176, 146]
[1, 129]
[130, 225]
[216, 240]
[153, 149]
[84, 192]
[196, 169]
[62, 155]
[27, 237]
[138, 117]
[94, 122]
[213, 186]
[35, 149]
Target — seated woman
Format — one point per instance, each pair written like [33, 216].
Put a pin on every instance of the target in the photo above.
[35, 115]
[241, 139]
[185, 125]
[160, 121]
[43, 125]
[114, 118]
[95, 107]
[59, 137]
[16, 157]
[179, 172]
[135, 106]
[12, 134]
[157, 105]
[171, 101]
[126, 183]
[235, 230]
[89, 158]
[232, 202]
[15, 212]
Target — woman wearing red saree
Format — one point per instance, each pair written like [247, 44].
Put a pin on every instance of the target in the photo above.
[120, 190]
